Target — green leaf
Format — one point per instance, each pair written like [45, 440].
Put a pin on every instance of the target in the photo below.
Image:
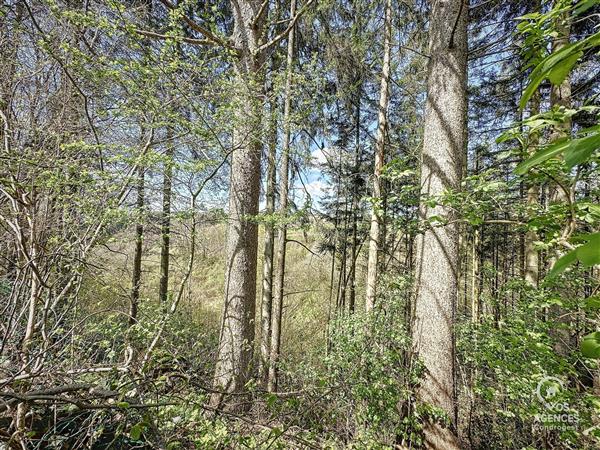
[590, 345]
[541, 156]
[540, 73]
[533, 15]
[559, 72]
[576, 152]
[592, 302]
[589, 253]
[563, 262]
[136, 431]
[580, 150]
[583, 6]
[271, 400]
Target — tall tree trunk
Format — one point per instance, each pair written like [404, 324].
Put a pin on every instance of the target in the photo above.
[342, 276]
[375, 233]
[267, 280]
[560, 96]
[136, 279]
[437, 249]
[334, 252]
[531, 262]
[354, 207]
[475, 278]
[283, 205]
[165, 230]
[531, 256]
[32, 313]
[236, 342]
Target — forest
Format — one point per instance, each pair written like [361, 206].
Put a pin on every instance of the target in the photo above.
[299, 224]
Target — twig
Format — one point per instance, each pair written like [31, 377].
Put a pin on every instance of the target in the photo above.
[301, 244]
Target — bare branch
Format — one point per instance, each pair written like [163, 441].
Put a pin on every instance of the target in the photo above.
[164, 37]
[260, 13]
[200, 29]
[285, 32]
[301, 244]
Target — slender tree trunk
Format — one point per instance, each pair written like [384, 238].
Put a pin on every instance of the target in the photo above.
[533, 193]
[342, 276]
[383, 226]
[437, 249]
[355, 180]
[560, 97]
[353, 257]
[530, 254]
[236, 342]
[354, 230]
[139, 241]
[168, 313]
[267, 280]
[334, 252]
[32, 312]
[375, 233]
[329, 305]
[165, 231]
[475, 278]
[283, 205]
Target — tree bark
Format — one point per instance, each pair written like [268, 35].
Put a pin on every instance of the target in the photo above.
[436, 275]
[283, 205]
[475, 278]
[137, 256]
[375, 233]
[342, 276]
[560, 97]
[351, 281]
[267, 281]
[165, 231]
[533, 193]
[236, 342]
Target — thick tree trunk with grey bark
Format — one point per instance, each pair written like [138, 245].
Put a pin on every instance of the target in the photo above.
[237, 327]
[375, 232]
[437, 261]
[283, 206]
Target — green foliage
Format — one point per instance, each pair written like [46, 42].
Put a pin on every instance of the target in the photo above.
[507, 360]
[556, 66]
[575, 151]
[590, 345]
[538, 29]
[371, 372]
[588, 254]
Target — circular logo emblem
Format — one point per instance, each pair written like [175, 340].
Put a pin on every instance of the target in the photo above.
[547, 389]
